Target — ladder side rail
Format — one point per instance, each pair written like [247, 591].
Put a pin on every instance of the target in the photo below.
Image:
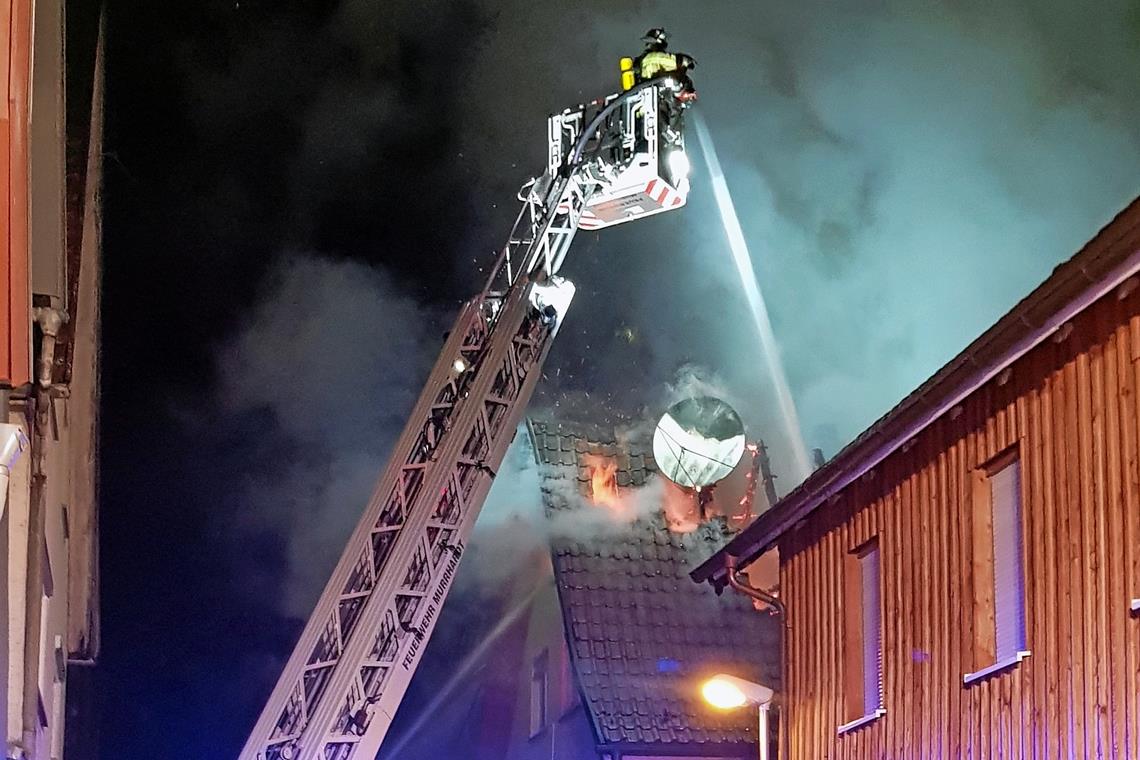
[524, 360]
[465, 332]
[399, 598]
[290, 705]
[650, 117]
[472, 429]
[505, 270]
[555, 154]
[397, 543]
[579, 191]
[533, 222]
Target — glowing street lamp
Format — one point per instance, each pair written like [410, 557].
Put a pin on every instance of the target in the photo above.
[727, 692]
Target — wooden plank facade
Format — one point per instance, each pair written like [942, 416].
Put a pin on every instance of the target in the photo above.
[1068, 411]
[1071, 408]
[15, 217]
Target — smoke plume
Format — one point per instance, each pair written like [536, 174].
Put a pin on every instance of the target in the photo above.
[904, 173]
[334, 354]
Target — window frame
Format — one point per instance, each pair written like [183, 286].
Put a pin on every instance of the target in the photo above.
[987, 618]
[539, 705]
[856, 569]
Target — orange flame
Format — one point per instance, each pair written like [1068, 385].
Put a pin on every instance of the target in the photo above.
[603, 484]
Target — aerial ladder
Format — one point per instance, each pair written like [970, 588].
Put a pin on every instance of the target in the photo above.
[614, 160]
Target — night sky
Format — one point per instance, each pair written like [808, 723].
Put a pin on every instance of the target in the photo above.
[298, 196]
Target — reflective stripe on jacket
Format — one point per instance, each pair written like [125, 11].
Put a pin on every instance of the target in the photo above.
[656, 62]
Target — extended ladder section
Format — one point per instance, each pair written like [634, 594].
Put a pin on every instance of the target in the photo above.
[356, 656]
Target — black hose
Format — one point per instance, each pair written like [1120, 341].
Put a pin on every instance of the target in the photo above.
[576, 156]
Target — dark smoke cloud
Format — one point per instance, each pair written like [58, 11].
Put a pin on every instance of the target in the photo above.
[903, 173]
[334, 354]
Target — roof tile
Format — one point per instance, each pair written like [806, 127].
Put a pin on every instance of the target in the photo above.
[640, 629]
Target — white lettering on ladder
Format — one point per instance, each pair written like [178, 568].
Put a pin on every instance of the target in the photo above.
[436, 602]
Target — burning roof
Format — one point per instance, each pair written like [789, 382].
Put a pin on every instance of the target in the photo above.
[641, 635]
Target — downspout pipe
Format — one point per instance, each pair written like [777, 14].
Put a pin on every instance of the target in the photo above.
[744, 587]
[733, 574]
[34, 594]
[51, 321]
[13, 443]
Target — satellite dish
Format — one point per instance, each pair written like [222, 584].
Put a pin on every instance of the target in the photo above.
[698, 442]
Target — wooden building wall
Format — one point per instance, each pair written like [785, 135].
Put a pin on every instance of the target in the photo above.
[15, 220]
[1073, 407]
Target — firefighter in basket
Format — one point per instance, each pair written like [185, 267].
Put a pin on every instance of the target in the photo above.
[657, 62]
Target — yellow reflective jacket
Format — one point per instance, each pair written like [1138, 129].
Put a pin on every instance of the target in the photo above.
[655, 63]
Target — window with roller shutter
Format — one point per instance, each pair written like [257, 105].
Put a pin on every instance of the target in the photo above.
[863, 636]
[998, 567]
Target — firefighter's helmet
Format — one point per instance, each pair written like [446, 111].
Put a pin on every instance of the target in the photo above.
[657, 36]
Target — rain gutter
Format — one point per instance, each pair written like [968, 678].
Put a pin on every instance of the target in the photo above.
[743, 587]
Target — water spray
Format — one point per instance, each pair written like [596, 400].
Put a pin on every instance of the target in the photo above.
[464, 670]
[756, 304]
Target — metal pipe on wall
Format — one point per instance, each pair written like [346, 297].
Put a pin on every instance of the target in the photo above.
[762, 732]
[750, 590]
[730, 563]
[13, 443]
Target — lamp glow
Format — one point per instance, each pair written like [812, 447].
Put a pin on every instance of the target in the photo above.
[728, 692]
[679, 165]
[460, 366]
[722, 694]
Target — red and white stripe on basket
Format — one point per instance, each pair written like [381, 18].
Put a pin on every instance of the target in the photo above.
[665, 196]
[659, 192]
[589, 221]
